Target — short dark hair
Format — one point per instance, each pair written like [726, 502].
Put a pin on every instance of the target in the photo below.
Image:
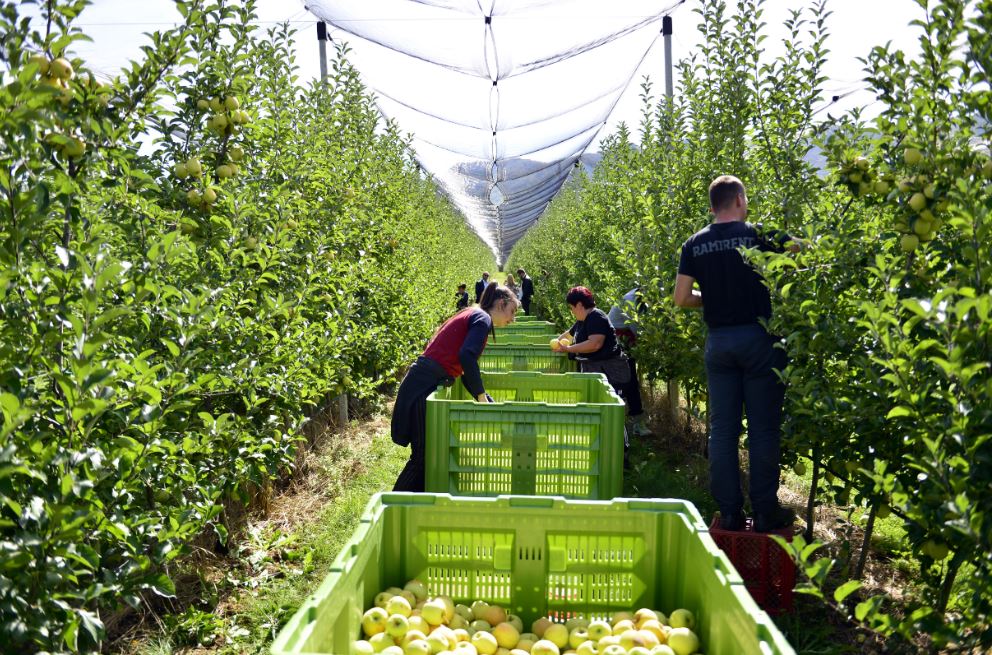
[485, 273]
[461, 286]
[521, 271]
[723, 191]
[580, 296]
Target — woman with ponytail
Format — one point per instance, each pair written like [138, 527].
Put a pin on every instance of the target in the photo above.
[453, 352]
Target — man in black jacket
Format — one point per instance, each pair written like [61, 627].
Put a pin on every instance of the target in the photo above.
[526, 289]
[480, 286]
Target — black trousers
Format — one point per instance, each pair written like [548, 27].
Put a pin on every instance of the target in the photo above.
[525, 301]
[408, 426]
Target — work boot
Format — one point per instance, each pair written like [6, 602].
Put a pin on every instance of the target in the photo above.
[778, 518]
[732, 520]
[637, 426]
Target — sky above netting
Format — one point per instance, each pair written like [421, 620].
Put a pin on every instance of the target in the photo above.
[501, 97]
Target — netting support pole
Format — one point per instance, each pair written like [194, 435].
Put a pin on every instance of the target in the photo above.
[666, 31]
[322, 44]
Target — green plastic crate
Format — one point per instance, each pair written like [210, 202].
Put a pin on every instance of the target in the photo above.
[524, 357]
[525, 318]
[529, 327]
[546, 435]
[536, 557]
[523, 338]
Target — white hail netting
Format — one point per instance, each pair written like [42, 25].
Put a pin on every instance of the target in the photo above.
[501, 96]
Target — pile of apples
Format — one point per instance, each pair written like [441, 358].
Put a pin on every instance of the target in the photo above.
[409, 621]
[558, 344]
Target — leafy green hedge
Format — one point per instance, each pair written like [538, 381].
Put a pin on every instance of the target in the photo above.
[158, 352]
[885, 315]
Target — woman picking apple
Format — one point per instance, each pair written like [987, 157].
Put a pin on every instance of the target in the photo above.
[595, 344]
[453, 351]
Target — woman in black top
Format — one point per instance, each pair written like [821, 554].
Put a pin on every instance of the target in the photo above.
[596, 347]
[595, 344]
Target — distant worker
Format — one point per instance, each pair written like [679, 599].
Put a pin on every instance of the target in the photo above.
[453, 352]
[480, 286]
[623, 317]
[742, 360]
[526, 289]
[511, 284]
[462, 297]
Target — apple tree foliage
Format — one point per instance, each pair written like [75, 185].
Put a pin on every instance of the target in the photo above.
[179, 292]
[885, 314]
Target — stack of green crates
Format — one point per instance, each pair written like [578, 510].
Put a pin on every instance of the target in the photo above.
[501, 357]
[533, 328]
[537, 557]
[558, 435]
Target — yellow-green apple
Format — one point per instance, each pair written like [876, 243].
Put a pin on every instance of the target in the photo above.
[599, 629]
[397, 626]
[415, 587]
[363, 647]
[458, 621]
[465, 612]
[381, 641]
[643, 615]
[662, 649]
[682, 618]
[587, 648]
[912, 156]
[485, 643]
[61, 68]
[465, 648]
[540, 625]
[418, 622]
[502, 651]
[545, 647]
[398, 605]
[410, 598]
[461, 634]
[449, 607]
[374, 621]
[656, 628]
[650, 638]
[614, 649]
[622, 626]
[515, 621]
[392, 650]
[683, 641]
[433, 611]
[416, 647]
[909, 242]
[203, 104]
[639, 650]
[438, 641]
[518, 651]
[577, 636]
[527, 641]
[231, 103]
[506, 635]
[557, 634]
[412, 635]
[237, 154]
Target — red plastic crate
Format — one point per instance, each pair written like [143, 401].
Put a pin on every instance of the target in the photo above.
[768, 571]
